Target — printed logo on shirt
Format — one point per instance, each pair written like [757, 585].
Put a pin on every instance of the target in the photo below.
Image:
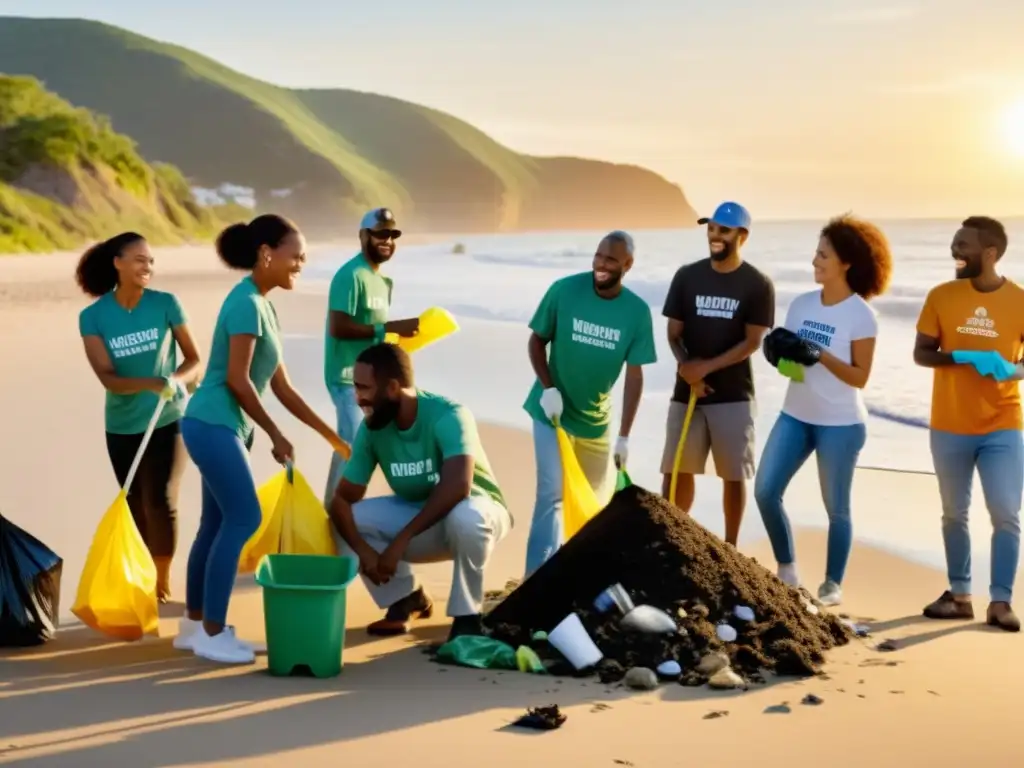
[415, 469]
[595, 335]
[717, 306]
[820, 333]
[979, 324]
[376, 302]
[134, 343]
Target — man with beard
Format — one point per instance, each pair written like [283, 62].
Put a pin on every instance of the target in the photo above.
[971, 331]
[718, 310]
[594, 326]
[446, 504]
[357, 317]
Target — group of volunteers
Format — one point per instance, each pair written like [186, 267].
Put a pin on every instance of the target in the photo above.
[445, 501]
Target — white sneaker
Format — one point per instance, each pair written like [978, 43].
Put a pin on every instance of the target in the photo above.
[830, 593]
[223, 647]
[186, 630]
[787, 575]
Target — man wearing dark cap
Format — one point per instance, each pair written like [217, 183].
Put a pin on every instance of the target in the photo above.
[357, 318]
[718, 310]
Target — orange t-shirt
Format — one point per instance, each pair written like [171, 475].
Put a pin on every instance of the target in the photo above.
[961, 318]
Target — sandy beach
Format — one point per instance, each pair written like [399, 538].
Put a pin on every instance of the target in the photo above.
[948, 693]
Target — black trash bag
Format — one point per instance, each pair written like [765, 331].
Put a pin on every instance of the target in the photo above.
[783, 344]
[29, 588]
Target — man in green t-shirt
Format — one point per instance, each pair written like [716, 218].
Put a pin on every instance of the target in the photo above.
[357, 317]
[594, 326]
[446, 504]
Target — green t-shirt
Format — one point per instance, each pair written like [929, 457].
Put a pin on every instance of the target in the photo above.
[411, 459]
[245, 312]
[591, 339]
[364, 294]
[141, 345]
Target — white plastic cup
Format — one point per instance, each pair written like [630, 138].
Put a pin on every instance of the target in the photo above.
[570, 638]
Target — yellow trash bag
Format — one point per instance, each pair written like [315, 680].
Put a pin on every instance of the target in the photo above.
[435, 324]
[579, 503]
[117, 591]
[294, 522]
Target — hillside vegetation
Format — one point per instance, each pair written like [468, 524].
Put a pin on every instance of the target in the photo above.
[338, 151]
[67, 177]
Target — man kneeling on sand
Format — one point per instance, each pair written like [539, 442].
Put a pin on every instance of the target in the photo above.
[446, 504]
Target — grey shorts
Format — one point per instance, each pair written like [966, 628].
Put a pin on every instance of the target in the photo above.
[725, 430]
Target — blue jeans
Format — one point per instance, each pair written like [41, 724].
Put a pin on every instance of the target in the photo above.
[999, 459]
[546, 526]
[230, 516]
[789, 445]
[350, 416]
[466, 536]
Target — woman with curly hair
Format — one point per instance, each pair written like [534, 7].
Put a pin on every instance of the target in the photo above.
[131, 335]
[828, 344]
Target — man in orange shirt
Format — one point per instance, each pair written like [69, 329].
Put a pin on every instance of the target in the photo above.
[971, 331]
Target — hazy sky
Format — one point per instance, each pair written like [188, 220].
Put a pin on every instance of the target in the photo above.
[793, 107]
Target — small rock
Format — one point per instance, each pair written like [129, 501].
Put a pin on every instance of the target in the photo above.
[811, 700]
[641, 679]
[669, 668]
[681, 612]
[726, 633]
[725, 679]
[743, 613]
[887, 646]
[778, 709]
[712, 662]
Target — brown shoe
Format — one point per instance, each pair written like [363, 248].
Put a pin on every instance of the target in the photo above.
[948, 607]
[1001, 615]
[417, 605]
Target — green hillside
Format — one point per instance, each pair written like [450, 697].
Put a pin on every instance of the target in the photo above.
[67, 177]
[338, 151]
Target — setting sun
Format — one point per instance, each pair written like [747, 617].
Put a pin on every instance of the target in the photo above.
[1013, 128]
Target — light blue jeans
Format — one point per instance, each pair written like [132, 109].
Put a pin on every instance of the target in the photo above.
[350, 416]
[999, 459]
[594, 456]
[466, 536]
[789, 445]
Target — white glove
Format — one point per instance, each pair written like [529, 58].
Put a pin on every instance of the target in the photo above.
[621, 451]
[174, 390]
[551, 403]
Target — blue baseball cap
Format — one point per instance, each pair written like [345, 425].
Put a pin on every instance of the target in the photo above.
[380, 218]
[732, 215]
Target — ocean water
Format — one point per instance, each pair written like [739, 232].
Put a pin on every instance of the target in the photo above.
[495, 285]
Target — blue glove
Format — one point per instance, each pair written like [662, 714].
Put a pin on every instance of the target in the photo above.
[987, 363]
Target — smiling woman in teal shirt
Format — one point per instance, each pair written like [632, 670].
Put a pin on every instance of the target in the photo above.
[131, 335]
[219, 425]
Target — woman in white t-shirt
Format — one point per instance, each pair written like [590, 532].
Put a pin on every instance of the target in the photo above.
[824, 410]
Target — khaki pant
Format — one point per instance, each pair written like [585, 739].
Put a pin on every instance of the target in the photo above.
[724, 430]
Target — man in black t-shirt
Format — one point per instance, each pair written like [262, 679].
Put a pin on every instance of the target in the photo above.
[718, 311]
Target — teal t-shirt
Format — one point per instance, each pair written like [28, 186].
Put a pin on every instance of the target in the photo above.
[245, 312]
[411, 459]
[140, 342]
[590, 340]
[364, 294]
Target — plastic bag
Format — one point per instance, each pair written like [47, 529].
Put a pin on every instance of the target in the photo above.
[478, 652]
[117, 591]
[294, 522]
[435, 324]
[579, 503]
[30, 574]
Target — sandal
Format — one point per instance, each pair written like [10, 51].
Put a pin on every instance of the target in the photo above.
[948, 607]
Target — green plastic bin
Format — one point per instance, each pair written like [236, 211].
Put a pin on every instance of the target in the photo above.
[304, 611]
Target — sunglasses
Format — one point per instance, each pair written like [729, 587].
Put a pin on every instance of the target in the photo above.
[385, 234]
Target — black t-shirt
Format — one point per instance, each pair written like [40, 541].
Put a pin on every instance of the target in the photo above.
[715, 309]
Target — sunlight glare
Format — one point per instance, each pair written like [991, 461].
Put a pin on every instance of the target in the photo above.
[1013, 128]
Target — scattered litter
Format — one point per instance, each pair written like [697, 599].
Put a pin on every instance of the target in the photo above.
[811, 700]
[622, 762]
[726, 633]
[646, 618]
[715, 714]
[887, 646]
[934, 693]
[600, 707]
[778, 709]
[743, 613]
[669, 668]
[541, 718]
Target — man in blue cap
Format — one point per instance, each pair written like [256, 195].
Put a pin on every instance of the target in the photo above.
[718, 311]
[357, 318]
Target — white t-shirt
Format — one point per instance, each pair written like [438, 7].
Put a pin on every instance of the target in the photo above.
[821, 398]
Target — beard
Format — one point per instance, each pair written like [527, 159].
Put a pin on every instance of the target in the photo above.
[384, 412]
[372, 252]
[728, 250]
[971, 270]
[611, 282]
